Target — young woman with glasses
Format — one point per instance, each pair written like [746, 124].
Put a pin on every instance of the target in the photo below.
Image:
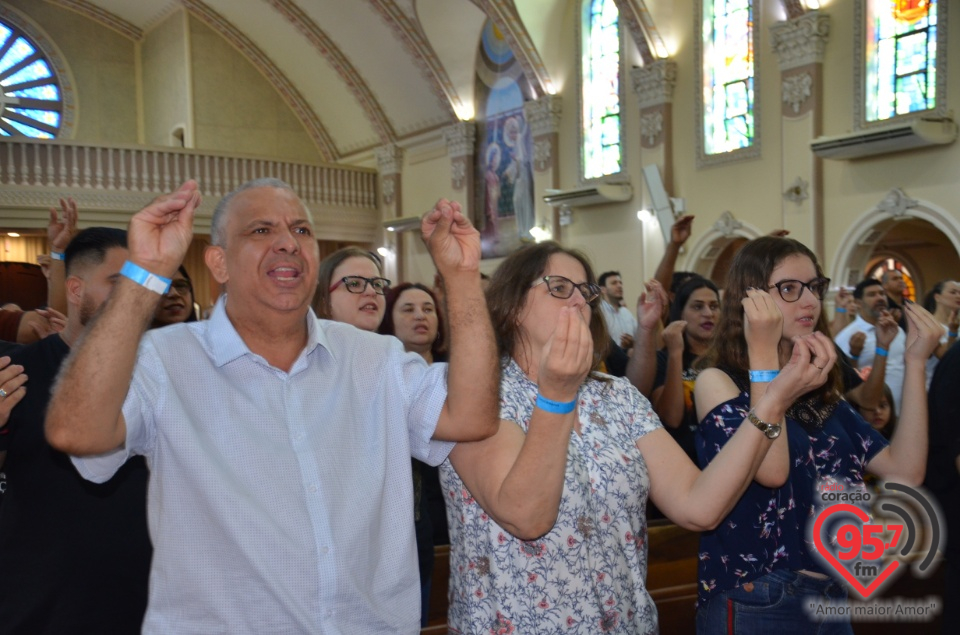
[547, 518]
[757, 571]
[351, 289]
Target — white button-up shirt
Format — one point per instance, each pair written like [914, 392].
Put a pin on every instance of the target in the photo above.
[895, 356]
[280, 502]
[619, 321]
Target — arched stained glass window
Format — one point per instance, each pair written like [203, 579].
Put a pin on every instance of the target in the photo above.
[901, 57]
[728, 75]
[31, 100]
[600, 97]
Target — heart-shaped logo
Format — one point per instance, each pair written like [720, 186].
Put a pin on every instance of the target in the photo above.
[851, 538]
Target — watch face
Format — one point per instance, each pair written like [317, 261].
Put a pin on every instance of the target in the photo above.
[772, 432]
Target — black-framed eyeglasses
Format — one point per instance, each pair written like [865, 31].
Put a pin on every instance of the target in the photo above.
[562, 288]
[180, 286]
[358, 284]
[791, 290]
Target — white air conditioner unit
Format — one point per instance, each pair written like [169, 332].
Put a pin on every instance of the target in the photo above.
[401, 224]
[592, 195]
[918, 133]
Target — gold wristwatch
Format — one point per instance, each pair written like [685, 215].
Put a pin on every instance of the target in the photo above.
[770, 430]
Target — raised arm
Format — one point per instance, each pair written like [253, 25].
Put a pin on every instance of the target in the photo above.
[679, 233]
[845, 309]
[470, 412]
[60, 231]
[667, 399]
[642, 366]
[518, 478]
[96, 376]
[905, 459]
[701, 500]
[867, 395]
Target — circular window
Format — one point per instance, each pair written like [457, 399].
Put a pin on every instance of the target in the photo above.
[31, 100]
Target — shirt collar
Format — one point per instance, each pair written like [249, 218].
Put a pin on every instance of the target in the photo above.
[226, 345]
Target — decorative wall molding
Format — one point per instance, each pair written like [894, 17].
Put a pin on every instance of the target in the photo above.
[102, 16]
[636, 18]
[543, 115]
[654, 83]
[897, 203]
[388, 187]
[389, 159]
[796, 89]
[651, 128]
[727, 225]
[329, 50]
[543, 153]
[802, 40]
[460, 139]
[798, 192]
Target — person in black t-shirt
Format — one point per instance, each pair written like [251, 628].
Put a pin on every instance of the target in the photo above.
[74, 555]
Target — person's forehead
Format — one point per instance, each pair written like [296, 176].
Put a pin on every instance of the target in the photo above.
[356, 266]
[268, 203]
[566, 266]
[414, 296]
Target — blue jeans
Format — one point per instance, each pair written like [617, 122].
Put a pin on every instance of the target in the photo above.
[774, 603]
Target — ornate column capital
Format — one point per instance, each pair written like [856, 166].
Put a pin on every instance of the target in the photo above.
[389, 159]
[543, 115]
[461, 138]
[654, 82]
[801, 41]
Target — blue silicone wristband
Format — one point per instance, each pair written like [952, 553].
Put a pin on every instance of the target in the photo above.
[57, 255]
[157, 284]
[556, 407]
[882, 352]
[763, 376]
[951, 333]
[840, 310]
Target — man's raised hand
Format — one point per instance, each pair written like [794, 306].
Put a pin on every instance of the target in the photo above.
[161, 232]
[453, 242]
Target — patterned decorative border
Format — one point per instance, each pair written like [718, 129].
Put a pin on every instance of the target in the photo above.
[56, 59]
[859, 70]
[321, 138]
[752, 151]
[102, 16]
[335, 57]
[415, 42]
[635, 16]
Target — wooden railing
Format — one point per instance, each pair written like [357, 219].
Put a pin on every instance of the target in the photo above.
[65, 165]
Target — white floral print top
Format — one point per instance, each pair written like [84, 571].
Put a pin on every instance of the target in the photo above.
[588, 574]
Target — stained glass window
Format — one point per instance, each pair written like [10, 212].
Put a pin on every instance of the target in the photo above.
[31, 100]
[601, 89]
[901, 57]
[728, 100]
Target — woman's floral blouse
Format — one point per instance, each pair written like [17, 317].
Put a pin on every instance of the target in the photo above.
[767, 529]
[588, 574]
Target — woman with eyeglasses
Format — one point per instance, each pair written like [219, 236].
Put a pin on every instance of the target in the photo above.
[351, 289]
[177, 304]
[757, 570]
[547, 518]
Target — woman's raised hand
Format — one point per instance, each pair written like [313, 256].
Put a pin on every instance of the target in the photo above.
[673, 336]
[924, 333]
[762, 321]
[809, 366]
[567, 357]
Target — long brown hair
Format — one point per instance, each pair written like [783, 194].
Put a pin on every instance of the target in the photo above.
[752, 267]
[507, 295]
[321, 299]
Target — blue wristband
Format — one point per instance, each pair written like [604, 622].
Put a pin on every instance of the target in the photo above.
[157, 284]
[556, 407]
[882, 352]
[763, 376]
[951, 333]
[840, 310]
[57, 255]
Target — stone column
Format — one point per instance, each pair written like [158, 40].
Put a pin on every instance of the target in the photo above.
[461, 139]
[543, 118]
[800, 44]
[390, 167]
[653, 85]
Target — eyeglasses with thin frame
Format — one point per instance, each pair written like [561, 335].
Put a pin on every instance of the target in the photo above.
[562, 288]
[791, 290]
[180, 286]
[358, 284]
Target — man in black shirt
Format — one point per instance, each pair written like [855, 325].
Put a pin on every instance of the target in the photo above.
[74, 555]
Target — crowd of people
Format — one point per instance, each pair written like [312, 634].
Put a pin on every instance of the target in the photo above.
[288, 464]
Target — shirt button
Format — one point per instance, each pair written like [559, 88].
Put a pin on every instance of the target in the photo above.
[312, 488]
[330, 613]
[324, 550]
